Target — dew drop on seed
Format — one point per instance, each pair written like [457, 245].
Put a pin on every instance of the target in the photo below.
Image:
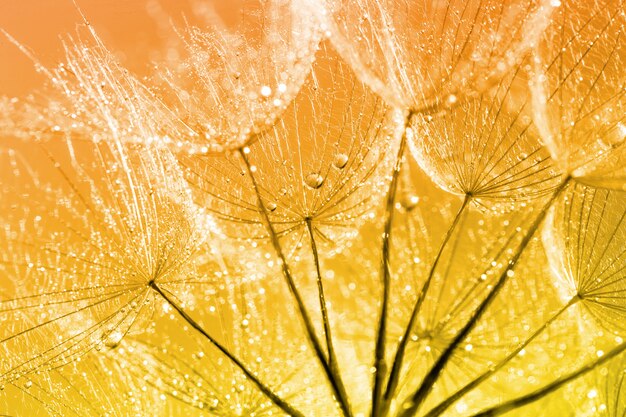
[341, 159]
[314, 180]
[266, 91]
[271, 206]
[113, 340]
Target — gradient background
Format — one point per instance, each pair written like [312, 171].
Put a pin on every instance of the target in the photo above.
[137, 30]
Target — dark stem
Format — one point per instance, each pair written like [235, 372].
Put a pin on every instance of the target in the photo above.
[550, 388]
[443, 406]
[380, 368]
[260, 385]
[412, 404]
[304, 314]
[394, 376]
[332, 358]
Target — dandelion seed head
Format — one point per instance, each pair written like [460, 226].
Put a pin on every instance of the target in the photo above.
[580, 115]
[107, 234]
[484, 148]
[587, 255]
[315, 163]
[429, 55]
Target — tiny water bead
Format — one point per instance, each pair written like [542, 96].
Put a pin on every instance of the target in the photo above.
[341, 160]
[113, 339]
[266, 91]
[314, 180]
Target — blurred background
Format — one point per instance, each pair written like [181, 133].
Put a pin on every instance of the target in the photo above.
[137, 30]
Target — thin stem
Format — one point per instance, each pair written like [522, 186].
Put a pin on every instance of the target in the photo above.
[332, 358]
[443, 406]
[380, 367]
[304, 314]
[260, 385]
[412, 404]
[394, 376]
[550, 388]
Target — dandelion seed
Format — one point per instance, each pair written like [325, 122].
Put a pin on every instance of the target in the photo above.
[90, 269]
[584, 238]
[314, 163]
[271, 54]
[486, 147]
[420, 54]
[579, 95]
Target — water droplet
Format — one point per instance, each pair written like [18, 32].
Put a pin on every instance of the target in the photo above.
[28, 384]
[266, 91]
[113, 339]
[341, 159]
[314, 180]
[271, 206]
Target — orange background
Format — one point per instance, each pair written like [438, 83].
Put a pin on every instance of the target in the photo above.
[135, 29]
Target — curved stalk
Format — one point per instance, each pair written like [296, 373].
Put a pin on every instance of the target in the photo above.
[412, 404]
[443, 406]
[550, 388]
[332, 358]
[282, 404]
[394, 376]
[380, 367]
[304, 314]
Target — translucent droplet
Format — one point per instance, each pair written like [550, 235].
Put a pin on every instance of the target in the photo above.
[28, 384]
[410, 202]
[266, 91]
[341, 159]
[314, 180]
[271, 206]
[113, 339]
